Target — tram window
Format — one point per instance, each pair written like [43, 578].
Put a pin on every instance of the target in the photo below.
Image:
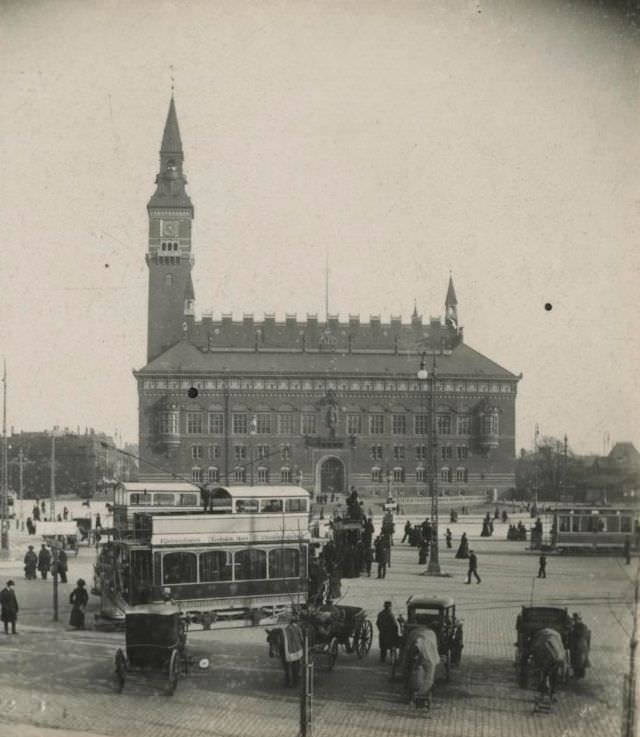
[246, 506]
[179, 568]
[189, 500]
[625, 523]
[139, 499]
[271, 505]
[215, 565]
[296, 505]
[284, 563]
[163, 500]
[564, 523]
[249, 564]
[611, 523]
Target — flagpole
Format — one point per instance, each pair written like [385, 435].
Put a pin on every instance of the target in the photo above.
[4, 516]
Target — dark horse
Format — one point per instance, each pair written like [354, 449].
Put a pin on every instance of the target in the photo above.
[286, 642]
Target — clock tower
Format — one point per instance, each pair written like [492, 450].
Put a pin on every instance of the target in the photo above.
[169, 256]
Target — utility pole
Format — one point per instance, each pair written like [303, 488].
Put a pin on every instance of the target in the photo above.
[52, 507]
[4, 509]
[21, 495]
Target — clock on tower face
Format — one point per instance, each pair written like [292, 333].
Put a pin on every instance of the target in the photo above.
[170, 228]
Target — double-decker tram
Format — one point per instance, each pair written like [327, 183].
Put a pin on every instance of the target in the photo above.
[221, 554]
[595, 528]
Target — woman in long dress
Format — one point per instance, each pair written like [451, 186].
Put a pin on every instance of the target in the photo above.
[78, 600]
[463, 548]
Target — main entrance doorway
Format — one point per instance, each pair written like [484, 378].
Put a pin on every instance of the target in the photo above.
[332, 476]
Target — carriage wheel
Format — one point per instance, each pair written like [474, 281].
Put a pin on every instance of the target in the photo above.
[121, 670]
[363, 638]
[332, 653]
[174, 671]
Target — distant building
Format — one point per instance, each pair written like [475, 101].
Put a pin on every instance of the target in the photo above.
[325, 403]
[614, 478]
[82, 465]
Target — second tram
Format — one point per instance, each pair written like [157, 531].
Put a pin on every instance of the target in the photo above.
[595, 528]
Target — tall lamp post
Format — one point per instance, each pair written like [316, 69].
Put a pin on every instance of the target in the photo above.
[253, 429]
[424, 378]
[4, 500]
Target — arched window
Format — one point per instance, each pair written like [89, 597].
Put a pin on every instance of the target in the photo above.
[263, 475]
[398, 474]
[249, 564]
[285, 475]
[196, 475]
[445, 474]
[421, 475]
[376, 474]
[213, 475]
[284, 563]
[168, 279]
[179, 568]
[240, 474]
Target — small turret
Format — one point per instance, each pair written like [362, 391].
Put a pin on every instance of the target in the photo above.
[451, 305]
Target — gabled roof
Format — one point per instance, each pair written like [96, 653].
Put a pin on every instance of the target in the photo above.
[184, 357]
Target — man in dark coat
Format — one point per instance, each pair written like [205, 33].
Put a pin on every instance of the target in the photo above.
[382, 554]
[44, 561]
[30, 564]
[387, 630]
[62, 566]
[542, 568]
[78, 600]
[9, 607]
[407, 531]
[473, 567]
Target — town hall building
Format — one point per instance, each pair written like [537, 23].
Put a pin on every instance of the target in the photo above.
[327, 404]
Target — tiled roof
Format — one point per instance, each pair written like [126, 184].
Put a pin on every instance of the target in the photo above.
[184, 357]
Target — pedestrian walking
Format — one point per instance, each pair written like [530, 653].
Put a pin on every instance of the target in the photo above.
[9, 608]
[448, 538]
[78, 600]
[627, 550]
[65, 514]
[36, 512]
[463, 548]
[381, 556]
[387, 631]
[407, 531]
[368, 559]
[30, 564]
[43, 507]
[62, 566]
[473, 567]
[423, 553]
[44, 561]
[542, 568]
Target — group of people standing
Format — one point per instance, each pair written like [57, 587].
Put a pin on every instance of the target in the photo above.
[44, 562]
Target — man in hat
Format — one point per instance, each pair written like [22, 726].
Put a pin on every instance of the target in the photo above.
[387, 631]
[9, 607]
[473, 567]
[30, 564]
[44, 561]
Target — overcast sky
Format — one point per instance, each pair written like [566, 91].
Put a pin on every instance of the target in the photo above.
[498, 140]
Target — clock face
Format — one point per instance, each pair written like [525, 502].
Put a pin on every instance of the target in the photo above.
[169, 228]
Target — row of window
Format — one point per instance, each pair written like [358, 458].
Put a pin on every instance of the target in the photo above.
[595, 523]
[321, 385]
[230, 565]
[240, 452]
[398, 475]
[421, 451]
[289, 423]
[239, 474]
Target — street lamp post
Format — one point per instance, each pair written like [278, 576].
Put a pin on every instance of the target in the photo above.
[253, 429]
[433, 567]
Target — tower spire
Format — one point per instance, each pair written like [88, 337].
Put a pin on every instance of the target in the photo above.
[171, 142]
[451, 305]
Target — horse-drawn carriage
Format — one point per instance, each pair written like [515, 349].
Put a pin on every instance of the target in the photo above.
[327, 628]
[553, 643]
[155, 637]
[431, 635]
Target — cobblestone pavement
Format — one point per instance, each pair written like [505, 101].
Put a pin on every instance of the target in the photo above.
[54, 678]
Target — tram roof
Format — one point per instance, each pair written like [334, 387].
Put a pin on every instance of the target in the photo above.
[594, 510]
[142, 486]
[261, 492]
